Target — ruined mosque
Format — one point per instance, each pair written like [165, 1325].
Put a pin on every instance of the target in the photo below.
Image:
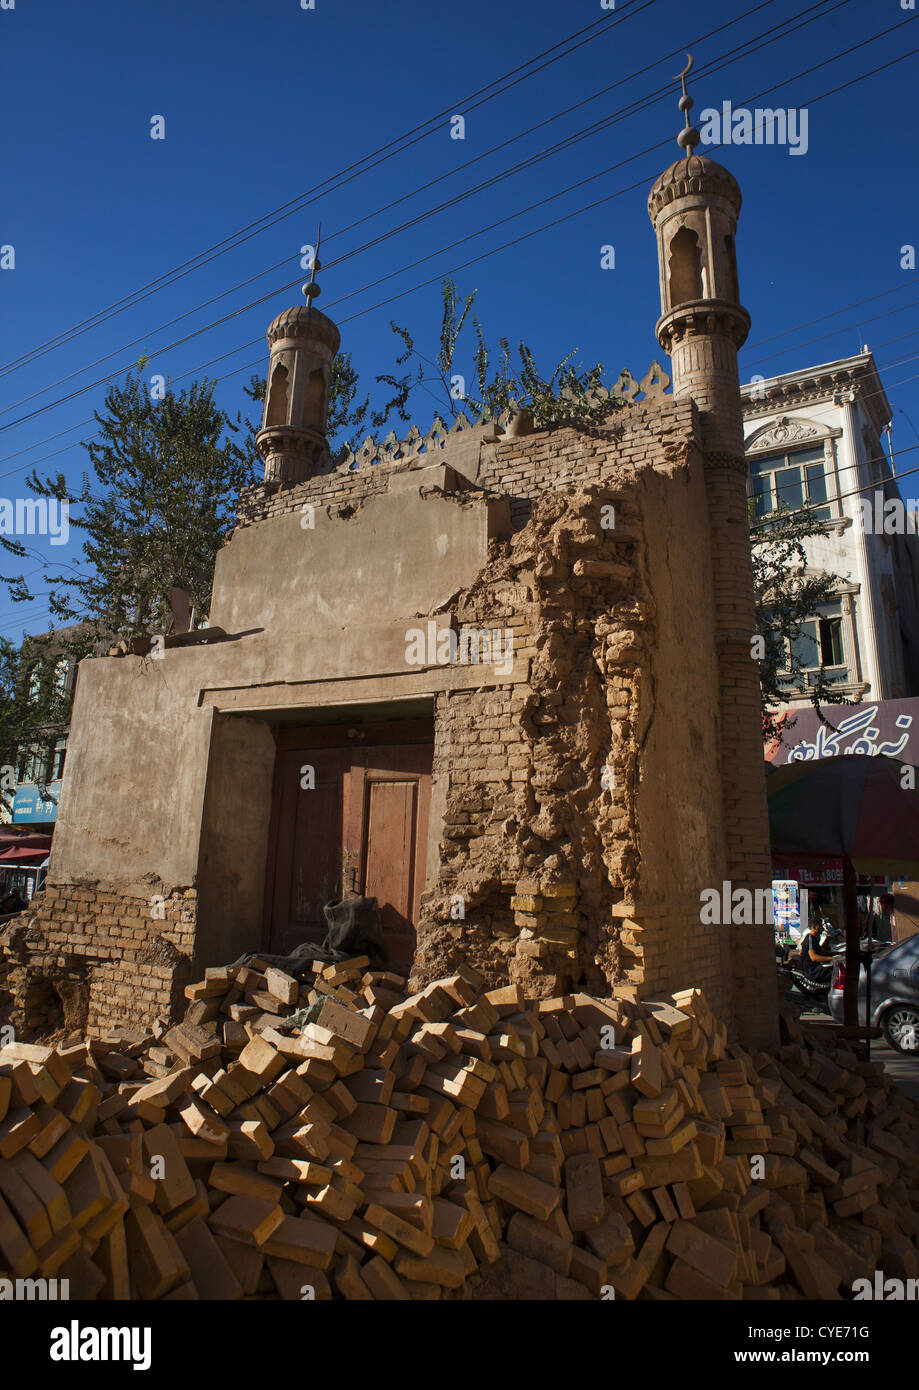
[498, 678]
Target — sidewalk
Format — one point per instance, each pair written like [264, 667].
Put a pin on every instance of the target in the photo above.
[901, 1068]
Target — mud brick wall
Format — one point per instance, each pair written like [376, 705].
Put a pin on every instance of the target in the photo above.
[516, 466]
[576, 838]
[535, 850]
[340, 486]
[583, 808]
[580, 823]
[84, 958]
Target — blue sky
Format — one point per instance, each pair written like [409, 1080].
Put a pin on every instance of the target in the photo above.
[265, 101]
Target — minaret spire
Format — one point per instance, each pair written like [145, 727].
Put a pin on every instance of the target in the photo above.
[689, 136]
[303, 343]
[311, 289]
[694, 207]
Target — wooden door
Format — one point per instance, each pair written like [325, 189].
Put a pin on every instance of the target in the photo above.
[358, 824]
[389, 798]
[306, 873]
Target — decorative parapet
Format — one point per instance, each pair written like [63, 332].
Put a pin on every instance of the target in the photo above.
[392, 451]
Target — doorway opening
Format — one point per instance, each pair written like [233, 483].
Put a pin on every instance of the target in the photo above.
[350, 811]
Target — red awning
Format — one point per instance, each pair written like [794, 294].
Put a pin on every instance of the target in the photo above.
[14, 849]
[29, 839]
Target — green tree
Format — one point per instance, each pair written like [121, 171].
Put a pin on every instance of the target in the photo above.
[35, 700]
[499, 380]
[787, 594]
[161, 502]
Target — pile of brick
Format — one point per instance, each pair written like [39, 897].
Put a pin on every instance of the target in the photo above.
[330, 1137]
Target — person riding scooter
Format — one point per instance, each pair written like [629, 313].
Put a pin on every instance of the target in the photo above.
[816, 965]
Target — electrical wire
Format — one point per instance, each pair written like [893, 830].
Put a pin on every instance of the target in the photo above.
[825, 6]
[812, 101]
[602, 25]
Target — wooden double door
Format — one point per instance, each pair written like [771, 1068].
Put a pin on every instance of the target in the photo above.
[349, 814]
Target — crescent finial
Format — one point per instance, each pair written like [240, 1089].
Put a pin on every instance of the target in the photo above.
[689, 137]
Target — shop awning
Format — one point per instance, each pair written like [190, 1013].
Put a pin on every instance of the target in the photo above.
[24, 849]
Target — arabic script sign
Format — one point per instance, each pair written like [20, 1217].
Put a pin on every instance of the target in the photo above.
[889, 728]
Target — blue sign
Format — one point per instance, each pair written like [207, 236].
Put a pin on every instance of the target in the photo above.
[29, 805]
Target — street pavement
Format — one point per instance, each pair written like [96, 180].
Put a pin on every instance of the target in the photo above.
[901, 1067]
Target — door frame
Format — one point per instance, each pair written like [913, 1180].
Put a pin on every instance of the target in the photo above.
[307, 736]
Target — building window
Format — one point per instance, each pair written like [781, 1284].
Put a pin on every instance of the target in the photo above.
[790, 481]
[819, 649]
[31, 765]
[35, 683]
[58, 755]
[61, 675]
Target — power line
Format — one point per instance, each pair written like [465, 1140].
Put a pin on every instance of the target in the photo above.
[207, 327]
[823, 336]
[483, 256]
[85, 424]
[605, 23]
[895, 289]
[752, 45]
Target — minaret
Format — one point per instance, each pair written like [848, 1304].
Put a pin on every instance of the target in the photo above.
[303, 343]
[694, 207]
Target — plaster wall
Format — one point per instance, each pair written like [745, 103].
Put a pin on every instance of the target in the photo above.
[303, 606]
[396, 555]
[234, 840]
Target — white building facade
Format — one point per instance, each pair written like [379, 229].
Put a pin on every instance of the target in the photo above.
[816, 437]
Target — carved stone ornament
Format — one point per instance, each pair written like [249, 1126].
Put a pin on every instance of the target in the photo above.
[392, 450]
[785, 431]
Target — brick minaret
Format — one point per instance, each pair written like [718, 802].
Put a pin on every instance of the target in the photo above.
[303, 342]
[694, 207]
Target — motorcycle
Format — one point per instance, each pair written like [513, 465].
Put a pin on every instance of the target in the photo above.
[813, 994]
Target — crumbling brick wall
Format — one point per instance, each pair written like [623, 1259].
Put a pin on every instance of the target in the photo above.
[536, 849]
[109, 957]
[560, 879]
[559, 791]
[581, 795]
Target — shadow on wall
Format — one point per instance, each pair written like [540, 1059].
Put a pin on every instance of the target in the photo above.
[51, 1005]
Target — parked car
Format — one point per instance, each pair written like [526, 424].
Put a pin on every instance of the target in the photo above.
[894, 994]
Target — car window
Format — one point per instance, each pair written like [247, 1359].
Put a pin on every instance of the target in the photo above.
[905, 952]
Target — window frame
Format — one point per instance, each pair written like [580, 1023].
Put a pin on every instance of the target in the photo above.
[826, 508]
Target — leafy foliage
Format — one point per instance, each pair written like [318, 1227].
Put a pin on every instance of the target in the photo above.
[787, 595]
[34, 702]
[568, 394]
[160, 505]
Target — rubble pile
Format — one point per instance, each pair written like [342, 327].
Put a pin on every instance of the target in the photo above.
[329, 1137]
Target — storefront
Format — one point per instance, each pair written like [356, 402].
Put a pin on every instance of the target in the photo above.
[821, 898]
[886, 727]
[23, 862]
